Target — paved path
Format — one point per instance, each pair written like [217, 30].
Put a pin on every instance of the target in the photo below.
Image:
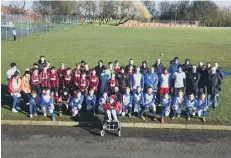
[49, 141]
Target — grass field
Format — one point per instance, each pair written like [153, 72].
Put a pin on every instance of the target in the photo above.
[92, 43]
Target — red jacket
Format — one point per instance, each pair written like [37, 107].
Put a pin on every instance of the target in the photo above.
[35, 80]
[117, 69]
[61, 73]
[83, 84]
[108, 106]
[94, 82]
[67, 80]
[111, 84]
[54, 80]
[45, 79]
[11, 89]
[76, 76]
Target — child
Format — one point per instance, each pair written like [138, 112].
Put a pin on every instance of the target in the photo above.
[202, 105]
[126, 102]
[94, 81]
[54, 80]
[116, 67]
[91, 101]
[76, 104]
[35, 81]
[76, 76]
[177, 104]
[102, 101]
[151, 79]
[34, 102]
[45, 78]
[111, 109]
[111, 68]
[138, 100]
[149, 103]
[166, 103]
[26, 88]
[47, 103]
[63, 101]
[191, 106]
[68, 79]
[104, 77]
[83, 84]
[112, 83]
[61, 72]
[165, 79]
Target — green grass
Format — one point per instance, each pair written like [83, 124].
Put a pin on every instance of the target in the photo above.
[92, 43]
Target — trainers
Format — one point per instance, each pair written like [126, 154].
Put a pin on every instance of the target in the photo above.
[45, 114]
[129, 116]
[60, 114]
[18, 108]
[178, 116]
[27, 104]
[35, 114]
[188, 118]
[53, 118]
[31, 116]
[154, 118]
[14, 110]
[173, 117]
[142, 117]
[203, 119]
[162, 120]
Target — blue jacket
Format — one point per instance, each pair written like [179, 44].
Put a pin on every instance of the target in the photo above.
[173, 68]
[35, 101]
[90, 100]
[138, 98]
[166, 102]
[191, 104]
[202, 105]
[159, 69]
[175, 101]
[74, 103]
[45, 102]
[132, 81]
[124, 102]
[151, 80]
[149, 99]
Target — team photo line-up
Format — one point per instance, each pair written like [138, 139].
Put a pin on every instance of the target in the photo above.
[117, 91]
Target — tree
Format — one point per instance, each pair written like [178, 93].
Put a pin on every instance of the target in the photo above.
[151, 6]
[17, 7]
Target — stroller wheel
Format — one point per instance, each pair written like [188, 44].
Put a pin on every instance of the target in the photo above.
[119, 133]
[102, 132]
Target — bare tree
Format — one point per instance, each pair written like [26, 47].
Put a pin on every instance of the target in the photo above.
[17, 7]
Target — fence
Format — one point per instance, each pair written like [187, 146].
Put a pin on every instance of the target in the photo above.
[34, 24]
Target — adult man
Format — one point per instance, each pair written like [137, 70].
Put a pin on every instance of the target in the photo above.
[99, 68]
[192, 81]
[203, 79]
[179, 80]
[159, 68]
[144, 68]
[122, 79]
[11, 71]
[151, 79]
[213, 87]
[137, 80]
[131, 63]
[14, 34]
[219, 70]
[173, 67]
[41, 63]
[187, 67]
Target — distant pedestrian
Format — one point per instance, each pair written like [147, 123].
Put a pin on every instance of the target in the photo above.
[14, 34]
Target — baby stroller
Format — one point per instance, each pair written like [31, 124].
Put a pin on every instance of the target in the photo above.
[110, 126]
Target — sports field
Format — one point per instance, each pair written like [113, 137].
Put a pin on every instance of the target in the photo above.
[109, 43]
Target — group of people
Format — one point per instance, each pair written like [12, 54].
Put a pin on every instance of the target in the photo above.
[116, 90]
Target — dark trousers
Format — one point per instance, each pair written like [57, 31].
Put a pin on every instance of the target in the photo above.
[36, 88]
[14, 37]
[176, 90]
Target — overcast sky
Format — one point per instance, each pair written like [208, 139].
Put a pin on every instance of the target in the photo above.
[226, 3]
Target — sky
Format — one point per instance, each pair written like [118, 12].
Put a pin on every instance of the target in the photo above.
[221, 3]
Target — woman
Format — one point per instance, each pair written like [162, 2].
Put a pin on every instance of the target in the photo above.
[26, 88]
[14, 88]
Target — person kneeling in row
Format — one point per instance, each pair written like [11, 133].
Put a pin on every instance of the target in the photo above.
[191, 106]
[47, 104]
[91, 101]
[202, 106]
[63, 101]
[166, 103]
[34, 102]
[126, 102]
[149, 103]
[178, 104]
[76, 104]
[112, 108]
